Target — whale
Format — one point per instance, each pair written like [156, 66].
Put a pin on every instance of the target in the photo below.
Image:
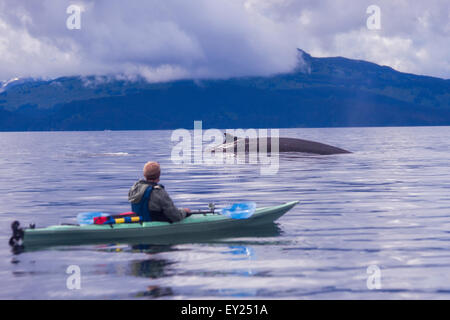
[285, 144]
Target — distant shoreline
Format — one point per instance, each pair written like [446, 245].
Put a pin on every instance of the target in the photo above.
[127, 130]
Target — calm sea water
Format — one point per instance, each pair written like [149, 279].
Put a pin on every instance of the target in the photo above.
[385, 205]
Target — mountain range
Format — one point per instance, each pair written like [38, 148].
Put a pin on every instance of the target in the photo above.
[320, 92]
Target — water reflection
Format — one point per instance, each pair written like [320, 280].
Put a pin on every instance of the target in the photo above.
[237, 245]
[241, 251]
[158, 268]
[151, 268]
[155, 292]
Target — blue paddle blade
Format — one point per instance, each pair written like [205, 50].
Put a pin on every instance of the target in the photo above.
[88, 217]
[241, 210]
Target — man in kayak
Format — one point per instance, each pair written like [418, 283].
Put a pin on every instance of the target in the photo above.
[149, 199]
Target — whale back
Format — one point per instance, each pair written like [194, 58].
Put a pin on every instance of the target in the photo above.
[231, 142]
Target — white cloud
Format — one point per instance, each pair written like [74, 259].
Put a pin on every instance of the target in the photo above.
[414, 35]
[160, 40]
[172, 39]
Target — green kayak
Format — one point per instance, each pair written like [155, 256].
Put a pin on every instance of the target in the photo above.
[203, 225]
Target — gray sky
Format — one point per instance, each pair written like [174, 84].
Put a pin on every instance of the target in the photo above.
[173, 39]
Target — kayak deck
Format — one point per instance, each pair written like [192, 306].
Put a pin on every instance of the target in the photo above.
[206, 225]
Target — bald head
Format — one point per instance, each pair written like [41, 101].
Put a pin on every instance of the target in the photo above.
[152, 171]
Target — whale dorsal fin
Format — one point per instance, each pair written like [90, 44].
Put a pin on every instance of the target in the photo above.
[229, 137]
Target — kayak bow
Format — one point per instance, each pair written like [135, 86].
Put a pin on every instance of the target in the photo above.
[199, 224]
